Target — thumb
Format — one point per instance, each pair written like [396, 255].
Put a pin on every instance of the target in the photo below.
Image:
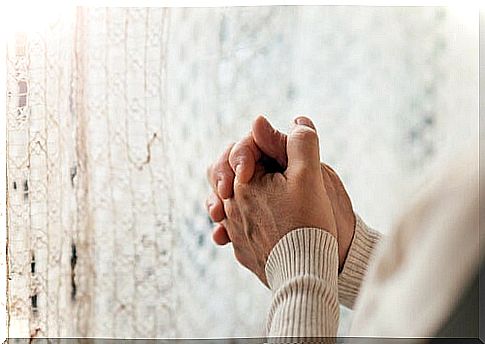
[269, 140]
[302, 147]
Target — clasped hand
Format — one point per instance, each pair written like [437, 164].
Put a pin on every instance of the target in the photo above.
[269, 184]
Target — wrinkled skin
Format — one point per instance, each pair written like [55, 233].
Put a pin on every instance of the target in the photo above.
[265, 150]
[270, 205]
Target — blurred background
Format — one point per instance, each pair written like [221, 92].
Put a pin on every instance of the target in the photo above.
[114, 114]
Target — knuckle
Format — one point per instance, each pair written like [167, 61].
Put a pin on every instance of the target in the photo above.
[240, 154]
[229, 209]
[222, 171]
[236, 157]
[232, 211]
[242, 190]
[218, 167]
[307, 134]
[239, 187]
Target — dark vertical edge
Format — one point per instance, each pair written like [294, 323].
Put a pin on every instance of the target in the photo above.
[82, 272]
[481, 181]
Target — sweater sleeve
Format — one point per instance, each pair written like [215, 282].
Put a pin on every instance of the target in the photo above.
[355, 267]
[302, 272]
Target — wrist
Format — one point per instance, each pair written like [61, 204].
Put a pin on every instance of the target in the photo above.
[345, 240]
[304, 251]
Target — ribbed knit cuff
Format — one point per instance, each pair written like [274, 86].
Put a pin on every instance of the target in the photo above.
[357, 261]
[304, 251]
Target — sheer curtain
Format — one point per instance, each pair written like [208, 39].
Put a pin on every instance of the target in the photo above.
[113, 115]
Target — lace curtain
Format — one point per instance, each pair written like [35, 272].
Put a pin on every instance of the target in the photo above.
[113, 115]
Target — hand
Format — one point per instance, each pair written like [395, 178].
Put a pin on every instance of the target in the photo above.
[273, 204]
[263, 143]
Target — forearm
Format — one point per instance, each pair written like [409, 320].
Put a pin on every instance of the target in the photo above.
[302, 273]
[355, 268]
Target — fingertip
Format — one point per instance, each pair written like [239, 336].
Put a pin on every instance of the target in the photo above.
[271, 141]
[220, 236]
[215, 208]
[303, 147]
[303, 120]
[261, 123]
[260, 118]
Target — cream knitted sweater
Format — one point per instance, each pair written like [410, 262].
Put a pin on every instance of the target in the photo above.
[403, 285]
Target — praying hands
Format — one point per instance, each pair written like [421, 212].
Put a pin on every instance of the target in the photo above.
[291, 223]
[289, 219]
[264, 151]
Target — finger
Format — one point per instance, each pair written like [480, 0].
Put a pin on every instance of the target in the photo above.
[221, 176]
[302, 147]
[220, 236]
[327, 181]
[215, 208]
[335, 180]
[269, 140]
[243, 158]
[329, 168]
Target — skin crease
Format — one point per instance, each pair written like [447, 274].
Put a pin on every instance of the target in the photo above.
[263, 141]
[270, 205]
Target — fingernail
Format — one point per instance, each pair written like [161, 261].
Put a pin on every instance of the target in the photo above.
[304, 121]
